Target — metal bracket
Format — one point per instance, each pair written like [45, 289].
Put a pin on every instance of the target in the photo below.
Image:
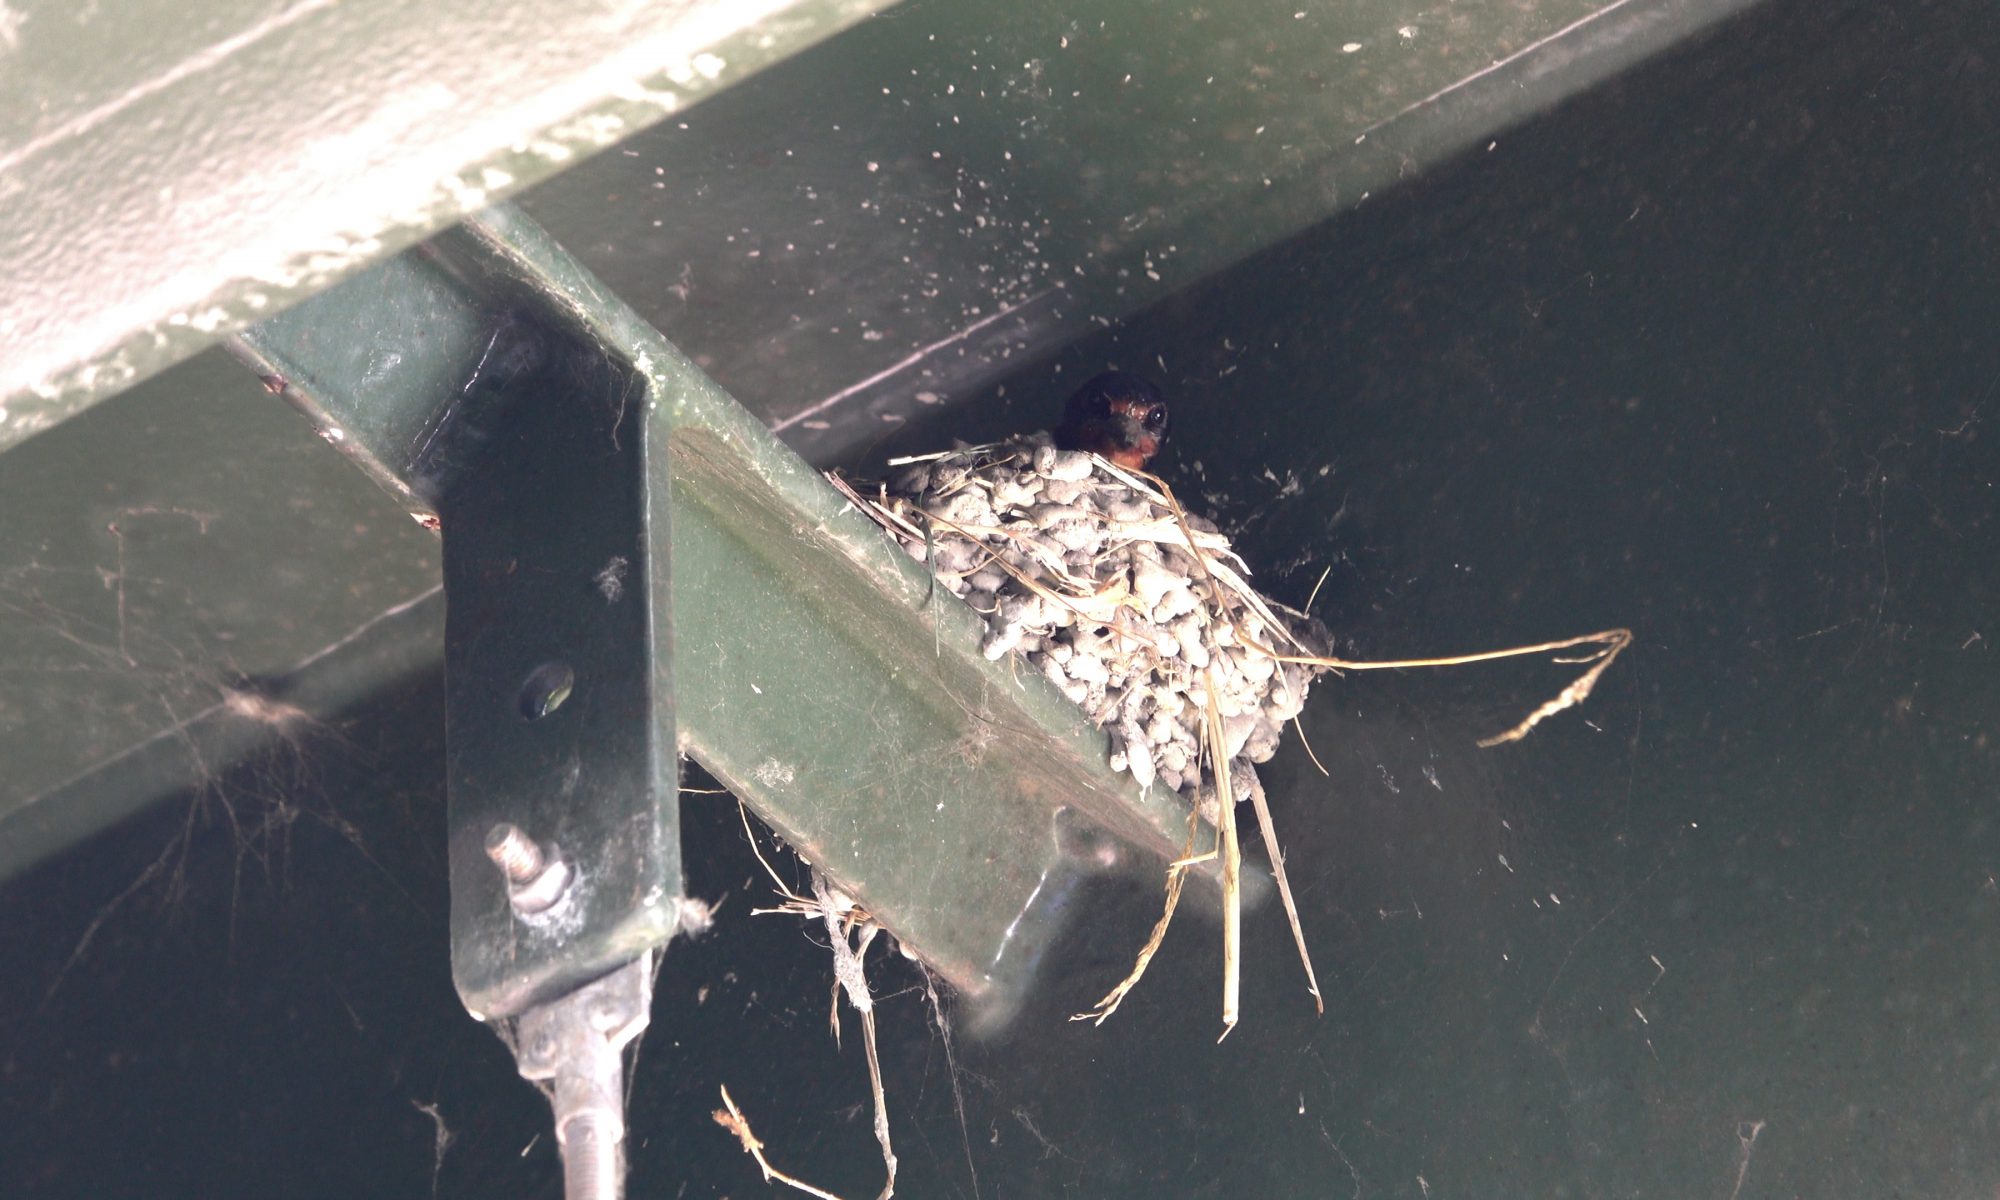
[536, 449]
[558, 666]
[859, 721]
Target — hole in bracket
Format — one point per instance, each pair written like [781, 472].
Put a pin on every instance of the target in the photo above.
[545, 689]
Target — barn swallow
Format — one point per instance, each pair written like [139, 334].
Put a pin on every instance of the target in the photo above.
[1118, 416]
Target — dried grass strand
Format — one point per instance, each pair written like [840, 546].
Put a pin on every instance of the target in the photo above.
[850, 930]
[1609, 642]
[1270, 831]
[1307, 743]
[731, 1118]
[848, 969]
[1232, 862]
[1317, 584]
[1176, 878]
[1576, 693]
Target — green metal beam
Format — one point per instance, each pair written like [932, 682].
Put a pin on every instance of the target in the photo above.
[166, 177]
[186, 573]
[915, 210]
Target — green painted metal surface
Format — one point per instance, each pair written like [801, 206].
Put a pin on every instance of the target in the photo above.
[170, 563]
[903, 215]
[166, 176]
[552, 481]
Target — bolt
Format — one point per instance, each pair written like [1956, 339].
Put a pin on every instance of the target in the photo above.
[514, 852]
[593, 1155]
[536, 877]
[606, 1014]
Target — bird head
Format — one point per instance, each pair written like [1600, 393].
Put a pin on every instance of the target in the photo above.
[1118, 416]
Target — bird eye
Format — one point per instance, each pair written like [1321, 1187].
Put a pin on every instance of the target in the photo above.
[1156, 418]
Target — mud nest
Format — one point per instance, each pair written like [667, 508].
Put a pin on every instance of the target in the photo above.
[1134, 608]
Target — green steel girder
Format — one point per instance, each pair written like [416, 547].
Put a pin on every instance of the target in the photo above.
[816, 673]
[171, 172]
